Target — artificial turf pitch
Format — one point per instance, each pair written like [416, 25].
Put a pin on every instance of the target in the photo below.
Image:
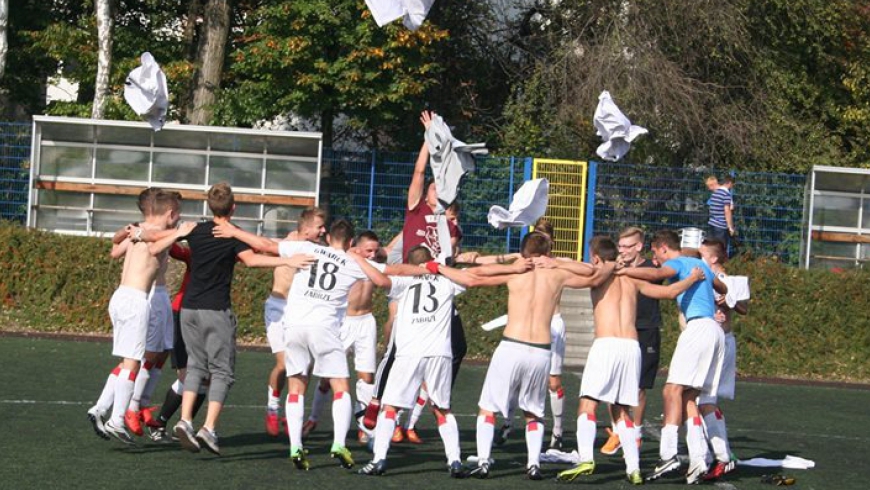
[46, 441]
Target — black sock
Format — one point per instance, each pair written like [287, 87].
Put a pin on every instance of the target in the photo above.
[170, 406]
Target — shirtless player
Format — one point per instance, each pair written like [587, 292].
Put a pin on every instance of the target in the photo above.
[521, 363]
[612, 372]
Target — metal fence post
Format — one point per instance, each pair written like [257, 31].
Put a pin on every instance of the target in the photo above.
[588, 227]
[372, 187]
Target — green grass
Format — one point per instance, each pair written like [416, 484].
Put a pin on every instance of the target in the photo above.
[46, 386]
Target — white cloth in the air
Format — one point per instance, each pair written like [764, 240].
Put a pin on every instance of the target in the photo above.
[495, 323]
[145, 90]
[446, 247]
[450, 159]
[789, 462]
[413, 12]
[529, 204]
[614, 128]
[738, 289]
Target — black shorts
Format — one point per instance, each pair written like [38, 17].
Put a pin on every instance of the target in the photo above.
[179, 351]
[650, 341]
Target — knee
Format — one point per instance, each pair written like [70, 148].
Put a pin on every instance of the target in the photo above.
[555, 383]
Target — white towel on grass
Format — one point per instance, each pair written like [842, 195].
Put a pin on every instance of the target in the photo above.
[789, 462]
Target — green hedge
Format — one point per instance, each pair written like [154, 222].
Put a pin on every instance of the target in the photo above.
[803, 324]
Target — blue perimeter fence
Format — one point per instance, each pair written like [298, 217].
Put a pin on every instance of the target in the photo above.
[370, 188]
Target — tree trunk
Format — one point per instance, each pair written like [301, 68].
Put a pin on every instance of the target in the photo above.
[327, 127]
[4, 44]
[104, 62]
[210, 60]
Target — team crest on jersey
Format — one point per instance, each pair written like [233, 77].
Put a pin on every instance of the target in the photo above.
[430, 236]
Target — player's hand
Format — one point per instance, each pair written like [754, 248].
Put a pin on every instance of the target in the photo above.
[522, 265]
[697, 274]
[185, 228]
[543, 262]
[225, 230]
[467, 257]
[719, 316]
[720, 300]
[426, 118]
[300, 261]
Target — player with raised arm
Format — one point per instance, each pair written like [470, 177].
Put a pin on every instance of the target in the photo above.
[520, 365]
[612, 369]
[129, 308]
[697, 360]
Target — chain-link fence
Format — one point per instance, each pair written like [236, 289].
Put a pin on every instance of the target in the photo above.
[371, 187]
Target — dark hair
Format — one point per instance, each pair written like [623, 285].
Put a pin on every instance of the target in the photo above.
[342, 231]
[536, 244]
[455, 207]
[419, 255]
[544, 226]
[718, 248]
[221, 200]
[604, 248]
[366, 235]
[668, 238]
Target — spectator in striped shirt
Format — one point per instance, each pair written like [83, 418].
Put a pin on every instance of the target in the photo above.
[721, 222]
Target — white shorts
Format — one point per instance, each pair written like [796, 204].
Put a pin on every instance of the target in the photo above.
[360, 335]
[409, 373]
[612, 372]
[273, 313]
[128, 310]
[517, 372]
[161, 325]
[697, 360]
[318, 343]
[728, 378]
[557, 344]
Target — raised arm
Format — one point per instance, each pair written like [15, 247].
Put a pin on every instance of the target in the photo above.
[296, 261]
[160, 246]
[600, 274]
[415, 189]
[377, 277]
[259, 243]
[670, 291]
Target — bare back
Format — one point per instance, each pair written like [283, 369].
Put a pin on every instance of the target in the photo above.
[615, 308]
[140, 267]
[282, 278]
[532, 300]
[359, 299]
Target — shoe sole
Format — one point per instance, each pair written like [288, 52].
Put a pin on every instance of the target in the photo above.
[185, 440]
[573, 476]
[100, 433]
[203, 442]
[126, 439]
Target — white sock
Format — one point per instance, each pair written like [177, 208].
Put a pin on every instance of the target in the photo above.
[586, 437]
[317, 405]
[384, 434]
[628, 432]
[668, 442]
[422, 400]
[107, 397]
[449, 430]
[273, 400]
[123, 393]
[557, 406]
[153, 379]
[718, 434]
[294, 409]
[485, 432]
[342, 413]
[695, 440]
[178, 387]
[139, 386]
[534, 440]
[364, 393]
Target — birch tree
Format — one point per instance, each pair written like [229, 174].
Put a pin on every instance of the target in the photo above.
[105, 22]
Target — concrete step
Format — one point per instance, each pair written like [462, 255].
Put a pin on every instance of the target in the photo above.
[576, 308]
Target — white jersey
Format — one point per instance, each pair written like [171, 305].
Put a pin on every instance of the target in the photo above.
[318, 294]
[422, 324]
